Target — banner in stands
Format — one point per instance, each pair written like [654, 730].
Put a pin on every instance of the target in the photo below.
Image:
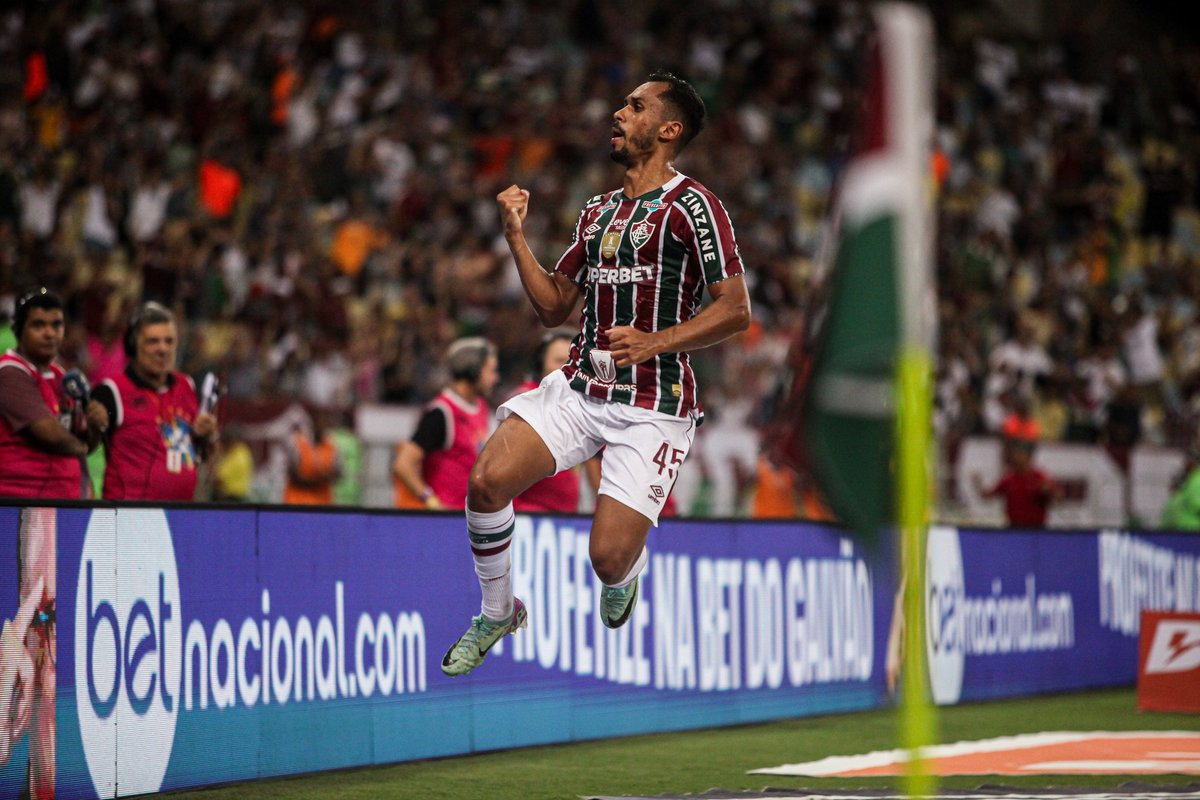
[199, 646]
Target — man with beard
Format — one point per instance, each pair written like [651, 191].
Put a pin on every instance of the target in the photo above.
[640, 259]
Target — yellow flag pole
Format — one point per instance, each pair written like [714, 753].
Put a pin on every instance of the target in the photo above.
[917, 720]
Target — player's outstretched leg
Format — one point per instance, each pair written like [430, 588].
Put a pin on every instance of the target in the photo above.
[472, 647]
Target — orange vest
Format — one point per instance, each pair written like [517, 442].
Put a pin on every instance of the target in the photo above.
[315, 459]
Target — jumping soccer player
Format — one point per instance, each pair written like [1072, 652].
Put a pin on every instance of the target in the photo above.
[640, 258]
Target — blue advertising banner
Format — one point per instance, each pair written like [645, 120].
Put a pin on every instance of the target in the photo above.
[303, 641]
[1024, 612]
[202, 646]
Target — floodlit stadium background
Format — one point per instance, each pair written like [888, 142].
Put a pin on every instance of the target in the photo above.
[310, 185]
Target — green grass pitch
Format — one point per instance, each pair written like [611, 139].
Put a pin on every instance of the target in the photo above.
[696, 761]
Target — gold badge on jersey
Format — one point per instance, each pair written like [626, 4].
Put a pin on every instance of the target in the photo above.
[609, 243]
[676, 390]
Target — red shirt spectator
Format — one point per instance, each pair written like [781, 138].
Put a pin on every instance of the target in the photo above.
[1027, 491]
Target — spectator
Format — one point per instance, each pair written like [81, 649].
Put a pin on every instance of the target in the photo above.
[1022, 358]
[1020, 425]
[1049, 409]
[1104, 375]
[1182, 512]
[313, 464]
[1027, 491]
[44, 434]
[433, 466]
[233, 468]
[8, 339]
[1058, 190]
[775, 494]
[559, 492]
[157, 435]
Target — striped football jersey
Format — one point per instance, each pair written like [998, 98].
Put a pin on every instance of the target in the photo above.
[644, 262]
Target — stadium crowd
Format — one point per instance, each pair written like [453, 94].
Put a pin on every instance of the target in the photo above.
[310, 188]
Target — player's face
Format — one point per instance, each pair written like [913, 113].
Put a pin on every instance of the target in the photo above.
[556, 355]
[156, 351]
[636, 125]
[42, 335]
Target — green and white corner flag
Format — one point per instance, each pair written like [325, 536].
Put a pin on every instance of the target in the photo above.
[881, 301]
[868, 419]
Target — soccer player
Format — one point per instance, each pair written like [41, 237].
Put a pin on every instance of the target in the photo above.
[640, 258]
[42, 438]
[157, 434]
[433, 466]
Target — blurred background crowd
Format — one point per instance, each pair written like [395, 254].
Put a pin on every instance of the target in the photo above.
[311, 187]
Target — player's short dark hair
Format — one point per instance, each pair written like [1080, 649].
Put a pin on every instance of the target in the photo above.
[684, 100]
[39, 298]
[466, 357]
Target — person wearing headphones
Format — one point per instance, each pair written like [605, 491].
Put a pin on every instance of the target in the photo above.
[44, 432]
[434, 465]
[558, 492]
[157, 434]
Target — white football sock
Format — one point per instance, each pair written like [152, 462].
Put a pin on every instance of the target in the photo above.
[491, 534]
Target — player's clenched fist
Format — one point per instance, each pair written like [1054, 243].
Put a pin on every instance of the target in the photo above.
[513, 203]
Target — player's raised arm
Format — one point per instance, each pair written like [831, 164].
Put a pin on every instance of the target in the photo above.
[553, 296]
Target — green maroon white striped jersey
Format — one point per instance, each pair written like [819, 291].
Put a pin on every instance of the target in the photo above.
[644, 262]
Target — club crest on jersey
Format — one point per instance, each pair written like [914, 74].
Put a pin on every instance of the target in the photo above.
[602, 363]
[640, 233]
[609, 243]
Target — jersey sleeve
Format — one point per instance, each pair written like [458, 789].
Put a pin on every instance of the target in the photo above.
[709, 236]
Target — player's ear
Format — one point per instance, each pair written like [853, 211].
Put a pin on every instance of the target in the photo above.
[670, 130]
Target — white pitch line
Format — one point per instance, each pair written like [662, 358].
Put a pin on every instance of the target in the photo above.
[835, 765]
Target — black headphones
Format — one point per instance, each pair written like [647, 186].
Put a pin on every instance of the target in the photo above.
[150, 313]
[38, 298]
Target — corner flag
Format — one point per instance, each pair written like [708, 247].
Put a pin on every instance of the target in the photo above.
[881, 299]
[869, 414]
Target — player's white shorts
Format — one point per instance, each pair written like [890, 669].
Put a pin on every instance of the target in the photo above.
[643, 449]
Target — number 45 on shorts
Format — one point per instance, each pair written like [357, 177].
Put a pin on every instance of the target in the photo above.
[660, 458]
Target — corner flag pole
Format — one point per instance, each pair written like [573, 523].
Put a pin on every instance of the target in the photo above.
[907, 46]
[917, 719]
